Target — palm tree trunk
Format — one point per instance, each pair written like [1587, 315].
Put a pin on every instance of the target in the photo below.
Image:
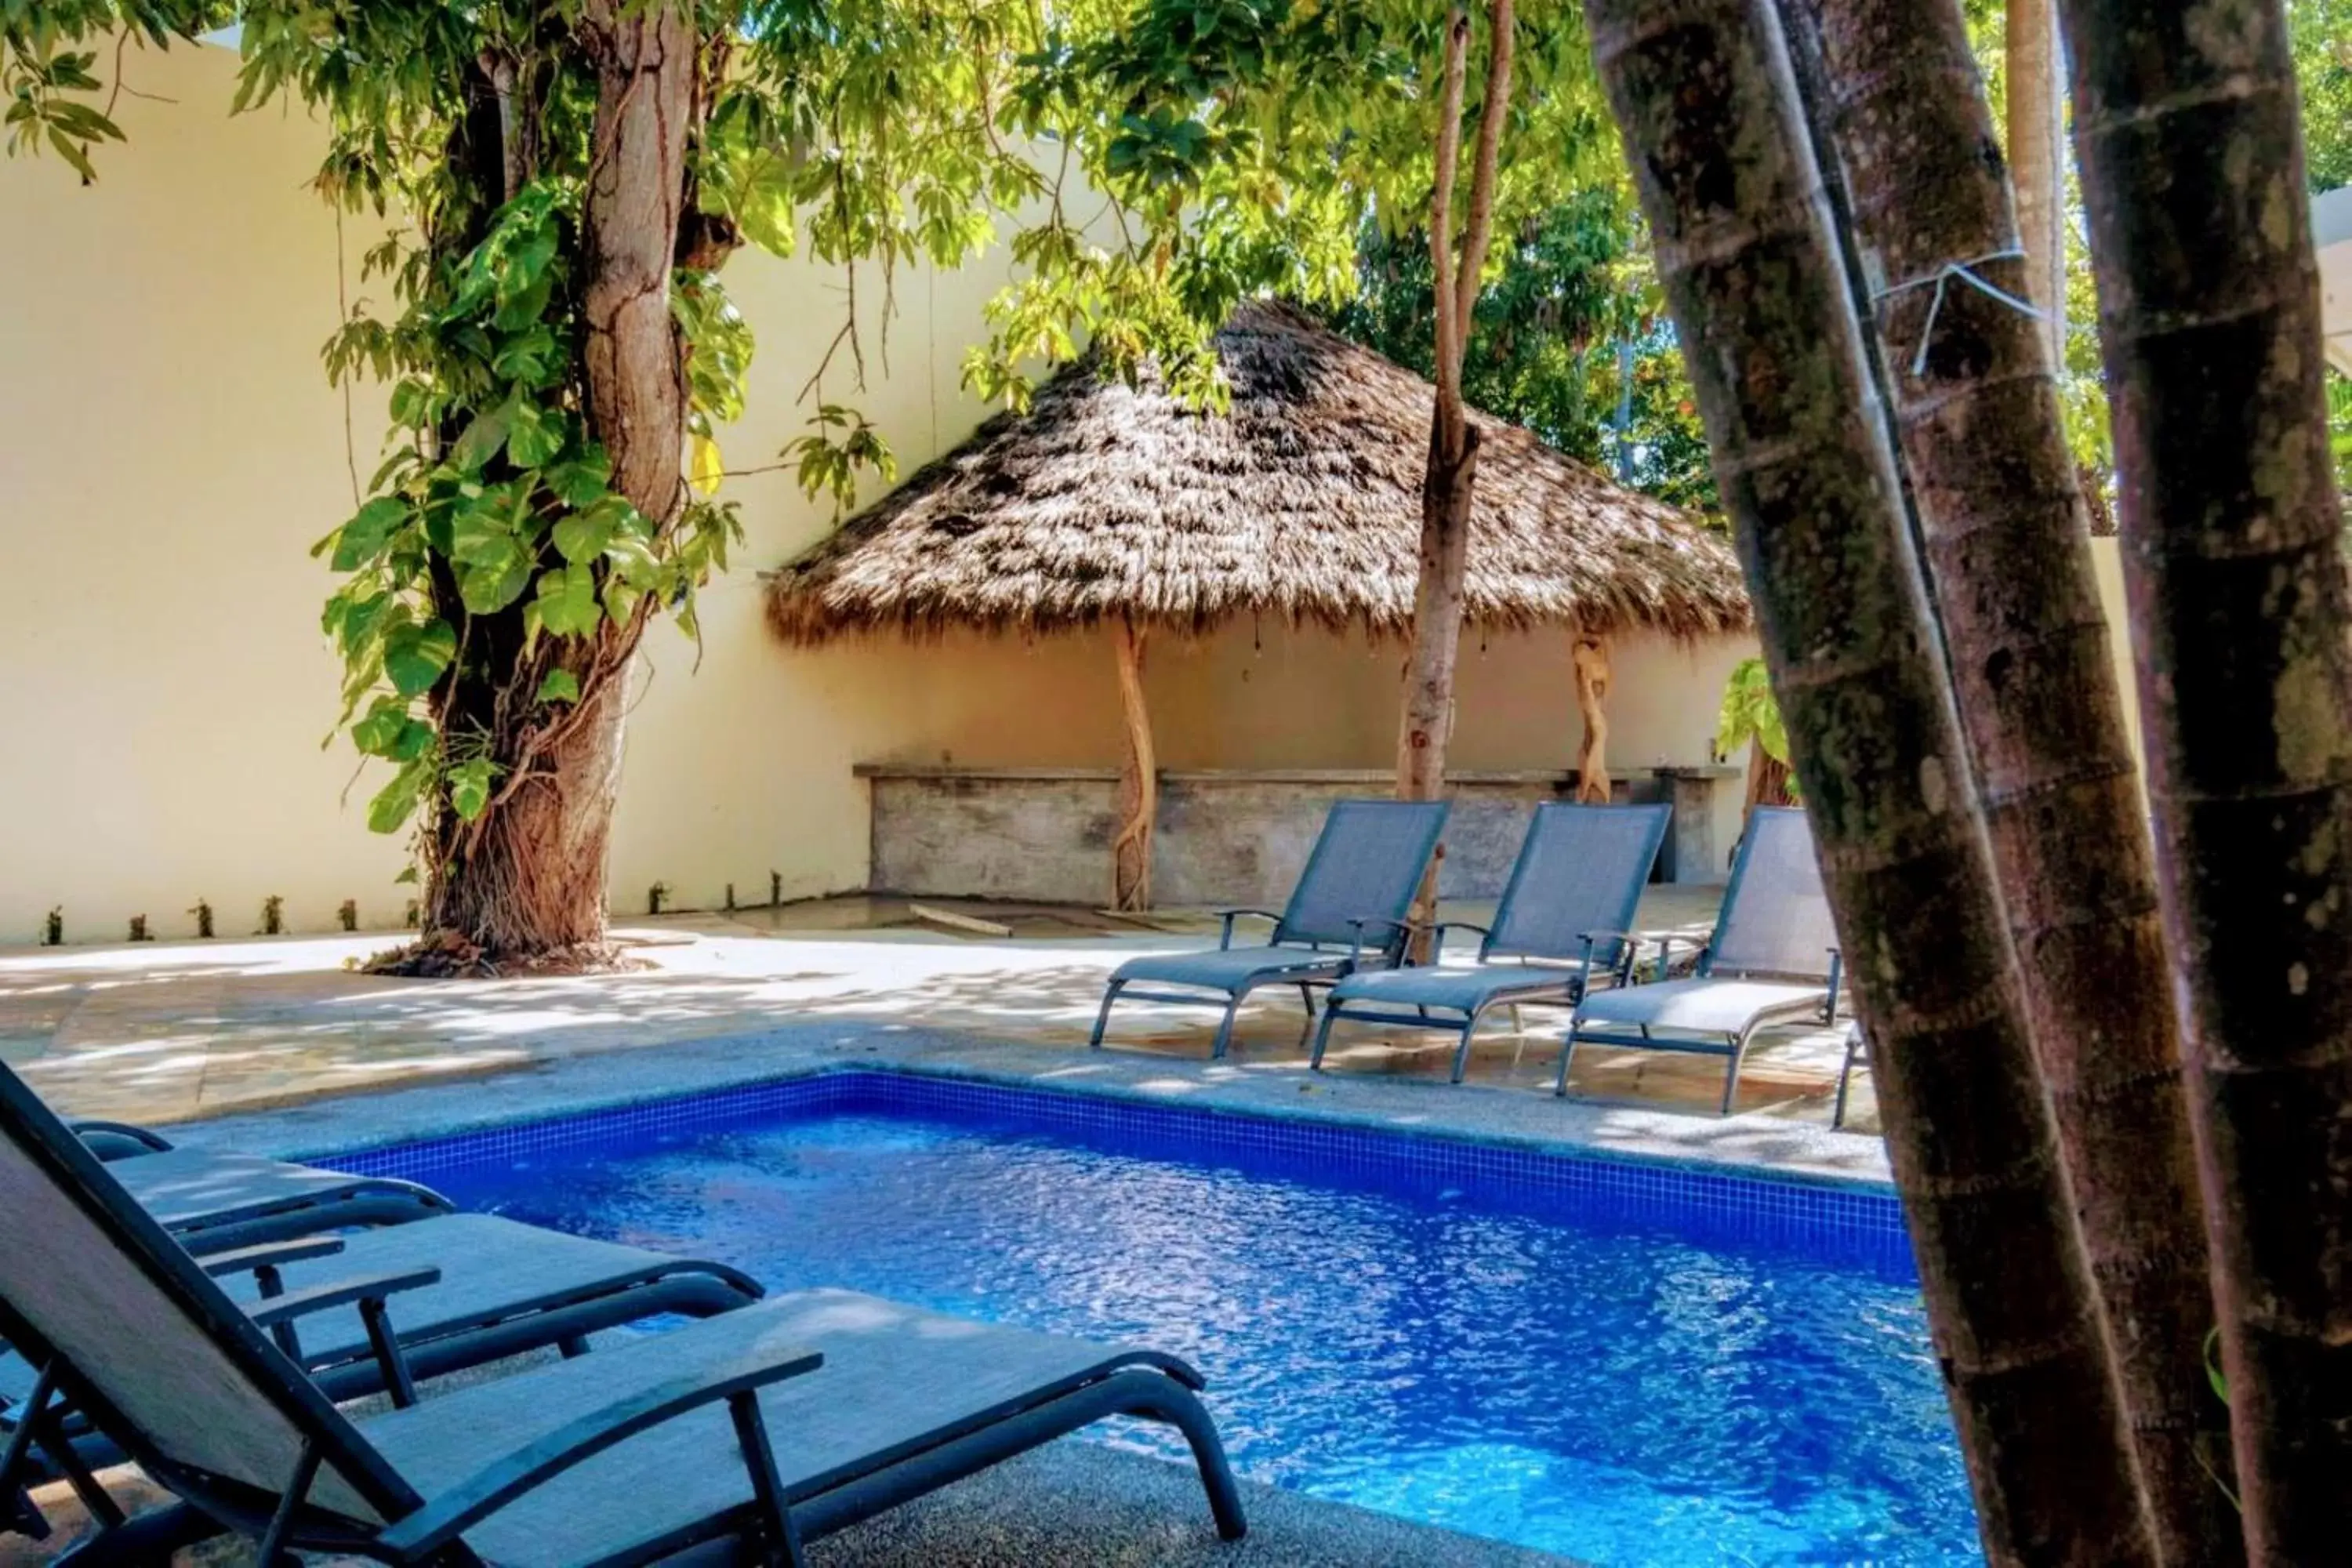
[2186, 130]
[1901, 107]
[1702, 94]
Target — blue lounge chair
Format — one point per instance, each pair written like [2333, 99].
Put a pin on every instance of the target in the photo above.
[1570, 902]
[1773, 959]
[1347, 913]
[723, 1434]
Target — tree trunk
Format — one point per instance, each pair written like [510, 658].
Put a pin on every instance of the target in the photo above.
[528, 890]
[1591, 656]
[637, 189]
[2001, 523]
[1427, 721]
[2209, 319]
[1768, 781]
[1702, 92]
[525, 885]
[1139, 778]
[2037, 119]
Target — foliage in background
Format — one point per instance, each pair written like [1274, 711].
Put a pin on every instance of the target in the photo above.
[52, 71]
[1575, 287]
[1750, 712]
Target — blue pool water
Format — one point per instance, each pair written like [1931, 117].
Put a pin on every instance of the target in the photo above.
[1608, 1366]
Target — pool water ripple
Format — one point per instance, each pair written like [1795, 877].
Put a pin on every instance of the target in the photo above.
[1622, 1393]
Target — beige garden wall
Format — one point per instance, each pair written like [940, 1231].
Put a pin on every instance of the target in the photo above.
[169, 450]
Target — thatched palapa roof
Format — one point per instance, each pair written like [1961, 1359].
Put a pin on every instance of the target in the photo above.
[1305, 503]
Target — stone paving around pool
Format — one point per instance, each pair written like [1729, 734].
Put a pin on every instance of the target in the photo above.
[173, 1033]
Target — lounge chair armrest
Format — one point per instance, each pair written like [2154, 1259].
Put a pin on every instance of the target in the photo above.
[1667, 940]
[271, 1254]
[739, 1375]
[1225, 937]
[99, 1134]
[1437, 929]
[359, 1289]
[1356, 947]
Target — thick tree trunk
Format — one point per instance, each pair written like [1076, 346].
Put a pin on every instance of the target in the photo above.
[1702, 92]
[2186, 130]
[1591, 658]
[1445, 493]
[637, 190]
[528, 890]
[1905, 114]
[525, 886]
[2036, 128]
[1138, 777]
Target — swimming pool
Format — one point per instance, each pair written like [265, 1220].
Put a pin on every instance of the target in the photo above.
[1623, 1363]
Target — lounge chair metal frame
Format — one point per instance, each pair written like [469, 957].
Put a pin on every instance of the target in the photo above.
[337, 1474]
[1299, 954]
[1823, 988]
[1555, 973]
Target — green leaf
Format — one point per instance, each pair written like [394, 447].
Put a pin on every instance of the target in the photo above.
[484, 435]
[395, 802]
[577, 481]
[363, 538]
[497, 578]
[414, 656]
[469, 787]
[535, 436]
[567, 601]
[408, 874]
[583, 535]
[561, 686]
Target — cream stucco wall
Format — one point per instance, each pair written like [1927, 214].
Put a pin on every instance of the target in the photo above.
[168, 449]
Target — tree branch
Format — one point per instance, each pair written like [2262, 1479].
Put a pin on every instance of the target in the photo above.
[1441, 217]
[1501, 26]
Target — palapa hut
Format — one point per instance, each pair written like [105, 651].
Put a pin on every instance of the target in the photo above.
[1117, 508]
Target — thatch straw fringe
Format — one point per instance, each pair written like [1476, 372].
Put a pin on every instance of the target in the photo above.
[1305, 503]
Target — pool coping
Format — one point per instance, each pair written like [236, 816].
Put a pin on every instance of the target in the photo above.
[1751, 1148]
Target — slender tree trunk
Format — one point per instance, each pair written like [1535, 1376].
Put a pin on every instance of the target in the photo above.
[2208, 318]
[2001, 523]
[1138, 777]
[2036, 128]
[1448, 481]
[1768, 781]
[1702, 91]
[1591, 656]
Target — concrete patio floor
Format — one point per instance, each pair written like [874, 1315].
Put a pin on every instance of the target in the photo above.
[177, 1032]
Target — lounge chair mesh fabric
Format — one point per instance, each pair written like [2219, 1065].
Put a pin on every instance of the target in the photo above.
[132, 1336]
[1367, 863]
[1777, 920]
[1455, 988]
[1700, 1005]
[1226, 968]
[1581, 869]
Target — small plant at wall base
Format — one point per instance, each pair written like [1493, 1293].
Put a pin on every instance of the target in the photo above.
[203, 913]
[53, 927]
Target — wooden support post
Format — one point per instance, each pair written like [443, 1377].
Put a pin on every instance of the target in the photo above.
[1138, 777]
[1592, 658]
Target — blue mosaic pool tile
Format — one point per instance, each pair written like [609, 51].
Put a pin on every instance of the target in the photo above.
[1835, 1224]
